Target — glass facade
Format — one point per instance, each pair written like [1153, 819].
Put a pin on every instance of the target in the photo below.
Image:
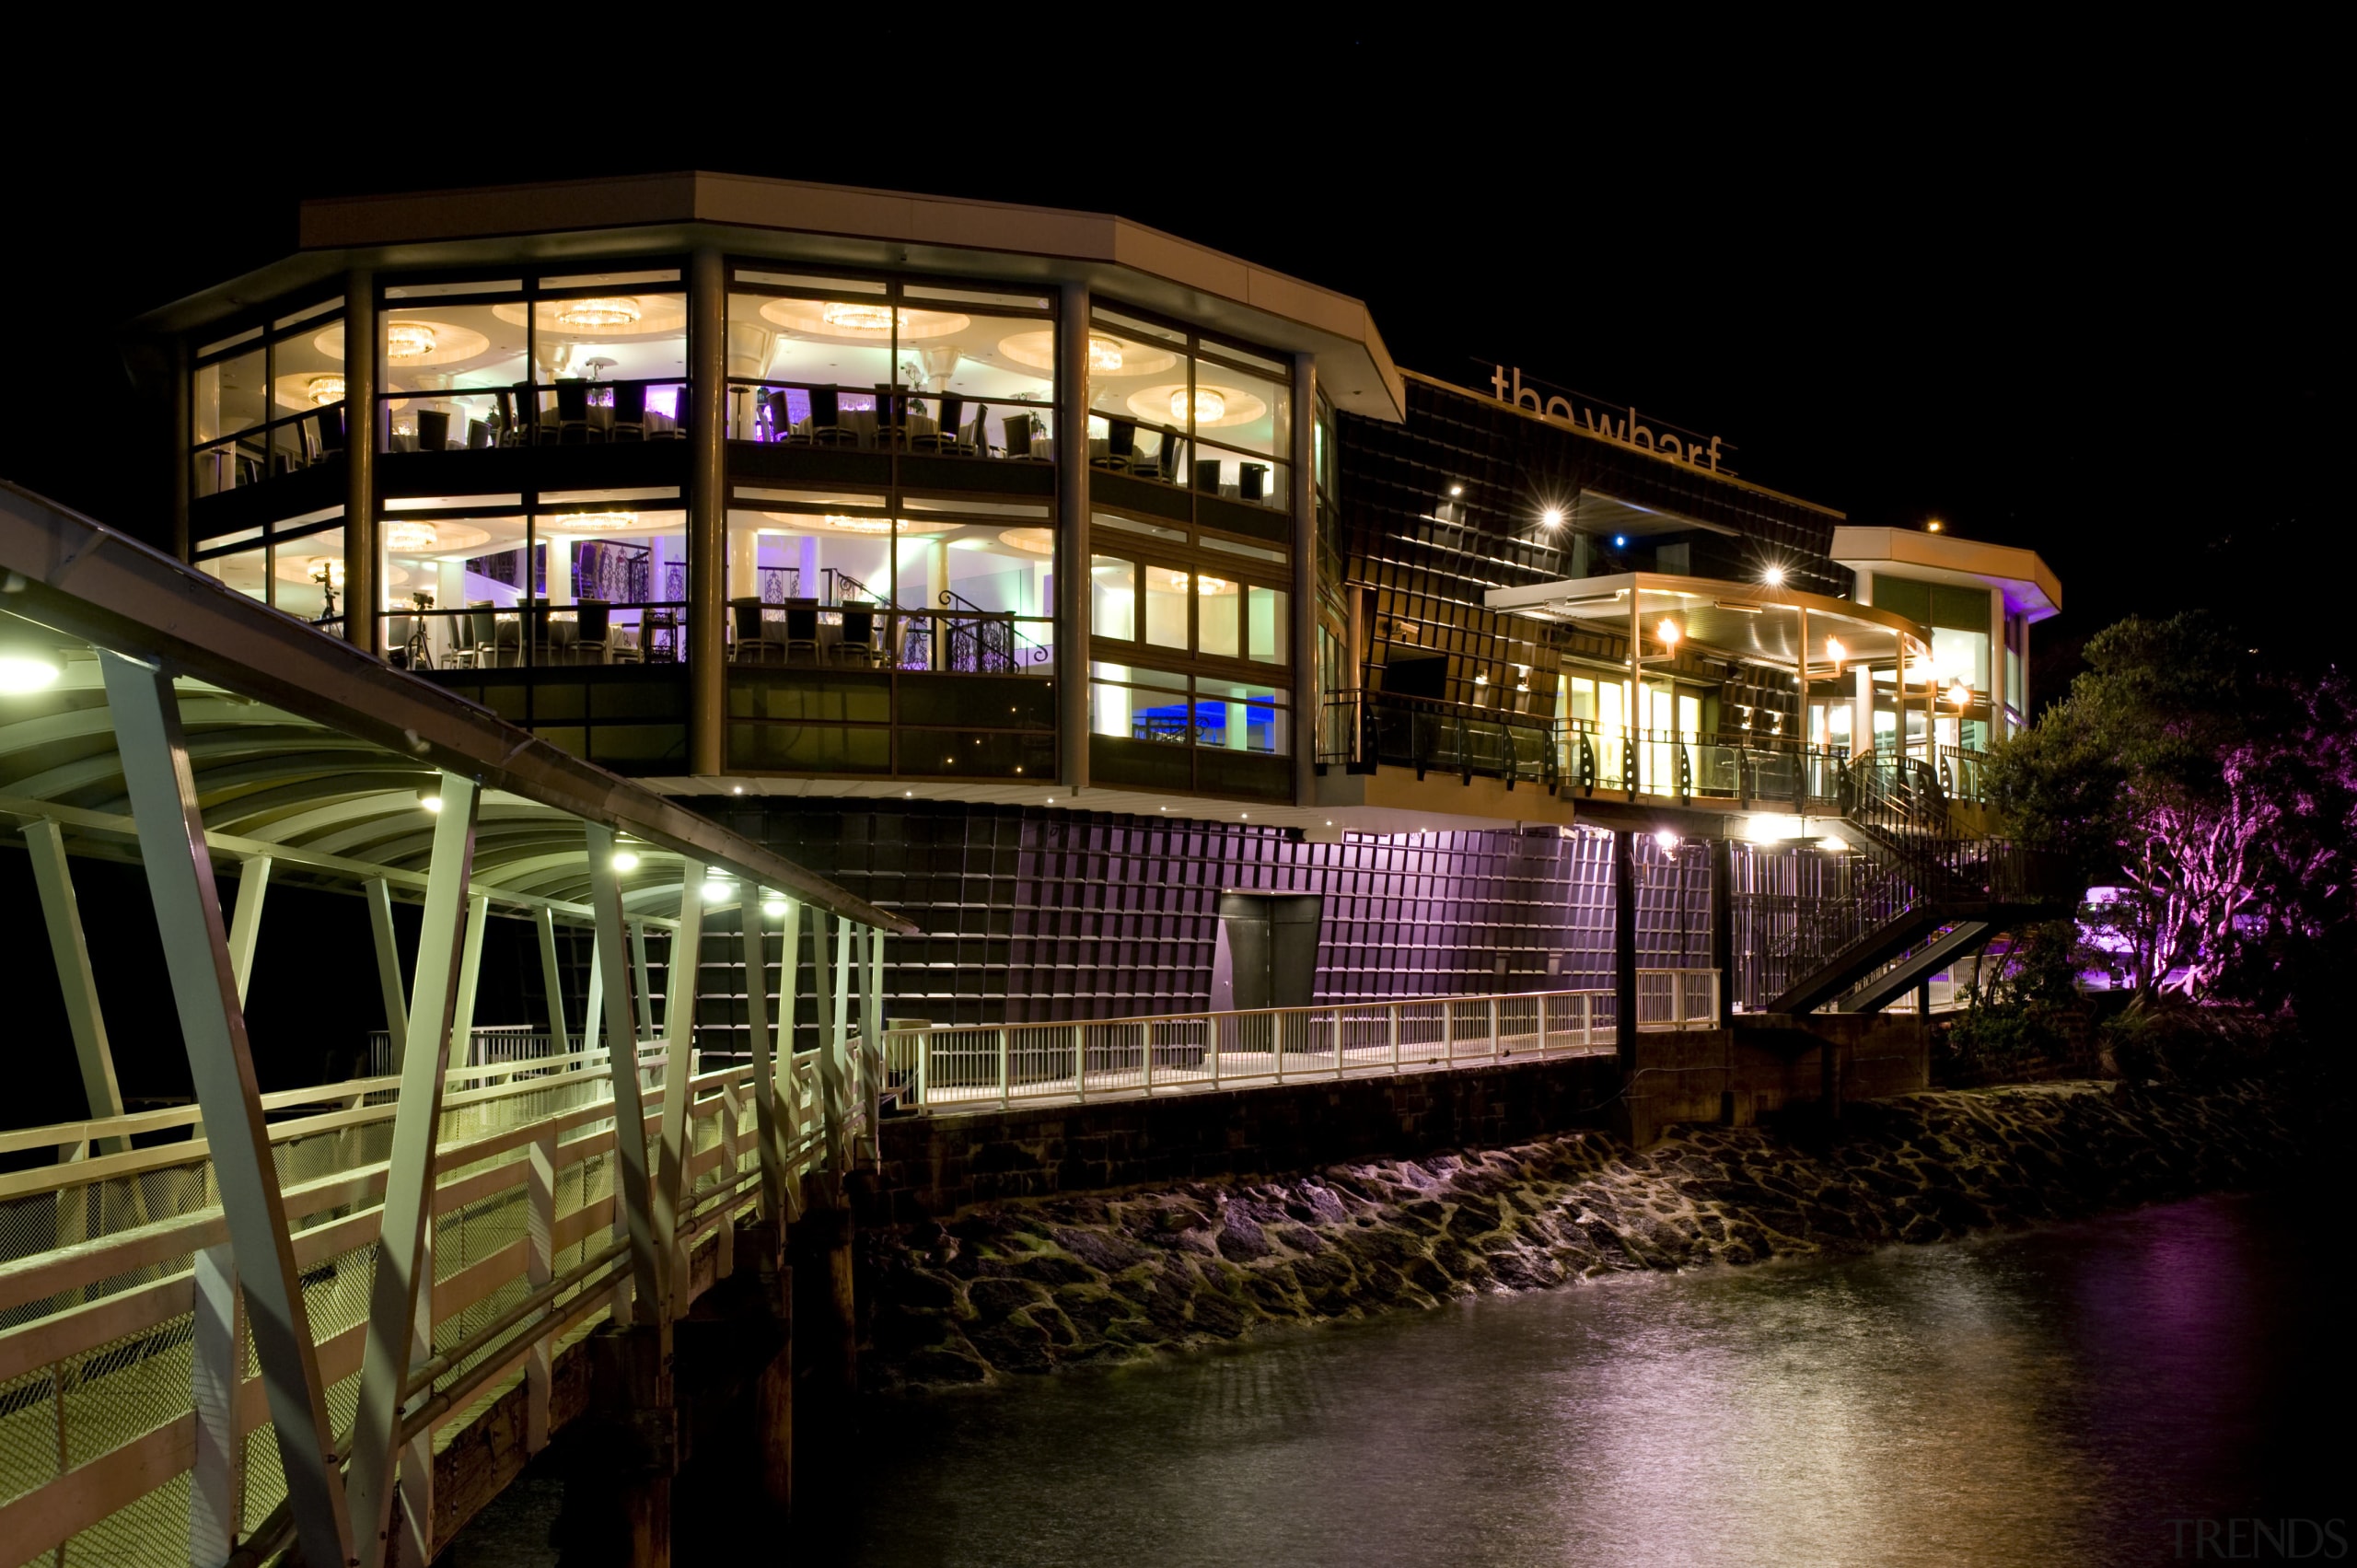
[267, 401]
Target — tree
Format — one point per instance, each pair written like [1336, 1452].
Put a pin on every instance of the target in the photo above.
[2159, 771]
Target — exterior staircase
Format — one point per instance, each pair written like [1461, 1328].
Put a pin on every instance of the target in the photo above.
[1922, 894]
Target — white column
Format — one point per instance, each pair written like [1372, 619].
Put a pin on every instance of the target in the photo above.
[401, 1289]
[83, 1015]
[213, 1030]
[245, 924]
[678, 1037]
[388, 964]
[631, 1190]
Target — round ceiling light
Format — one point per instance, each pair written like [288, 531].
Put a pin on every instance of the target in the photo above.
[408, 341]
[1210, 406]
[595, 522]
[324, 389]
[408, 539]
[602, 314]
[1032, 541]
[846, 317]
[1104, 352]
[1108, 355]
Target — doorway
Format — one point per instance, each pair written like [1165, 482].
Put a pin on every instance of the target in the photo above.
[1267, 953]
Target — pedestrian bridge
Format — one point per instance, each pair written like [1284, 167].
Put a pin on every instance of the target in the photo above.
[270, 1319]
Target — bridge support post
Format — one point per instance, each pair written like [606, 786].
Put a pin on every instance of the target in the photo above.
[617, 1494]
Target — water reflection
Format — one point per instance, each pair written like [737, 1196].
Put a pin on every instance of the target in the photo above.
[2051, 1398]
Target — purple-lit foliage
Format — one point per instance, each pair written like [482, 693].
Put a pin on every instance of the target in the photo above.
[2218, 796]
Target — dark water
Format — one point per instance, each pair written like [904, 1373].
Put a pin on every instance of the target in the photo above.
[2058, 1397]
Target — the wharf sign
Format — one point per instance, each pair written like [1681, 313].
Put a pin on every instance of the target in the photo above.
[1598, 421]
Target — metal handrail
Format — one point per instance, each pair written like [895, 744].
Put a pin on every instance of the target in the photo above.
[968, 1068]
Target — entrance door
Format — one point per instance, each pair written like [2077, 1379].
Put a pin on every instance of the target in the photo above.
[1267, 954]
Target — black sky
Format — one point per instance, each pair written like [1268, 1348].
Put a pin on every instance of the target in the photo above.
[2068, 294]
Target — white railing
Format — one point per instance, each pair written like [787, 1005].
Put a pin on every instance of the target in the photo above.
[973, 1068]
[101, 1256]
[486, 1043]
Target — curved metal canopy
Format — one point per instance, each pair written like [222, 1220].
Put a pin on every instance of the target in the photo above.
[310, 751]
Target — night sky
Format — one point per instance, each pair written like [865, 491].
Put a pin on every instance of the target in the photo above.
[2074, 299]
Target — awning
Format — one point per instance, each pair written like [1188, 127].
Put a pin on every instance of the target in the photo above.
[1750, 623]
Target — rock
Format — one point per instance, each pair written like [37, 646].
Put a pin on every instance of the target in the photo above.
[1035, 1284]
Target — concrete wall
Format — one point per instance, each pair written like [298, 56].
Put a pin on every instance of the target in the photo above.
[1767, 1063]
[936, 1166]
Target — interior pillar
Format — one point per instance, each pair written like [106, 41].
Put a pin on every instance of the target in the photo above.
[707, 511]
[1303, 633]
[1072, 539]
[363, 591]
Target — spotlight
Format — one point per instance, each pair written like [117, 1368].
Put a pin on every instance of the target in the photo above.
[430, 801]
[1933, 527]
[28, 661]
[1551, 518]
[1667, 632]
[773, 906]
[1960, 694]
[625, 860]
[1619, 541]
[1773, 577]
[1665, 838]
[1456, 490]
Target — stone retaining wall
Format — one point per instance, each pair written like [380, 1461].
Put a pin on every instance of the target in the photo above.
[1031, 1285]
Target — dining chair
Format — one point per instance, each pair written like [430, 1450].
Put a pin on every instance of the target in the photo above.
[328, 424]
[629, 412]
[1207, 474]
[1250, 478]
[801, 628]
[572, 414]
[1018, 433]
[945, 437]
[1167, 461]
[857, 642]
[978, 434]
[1120, 445]
[433, 430]
[512, 430]
[825, 419]
[397, 631]
[891, 416]
[478, 435]
[745, 618]
[593, 630]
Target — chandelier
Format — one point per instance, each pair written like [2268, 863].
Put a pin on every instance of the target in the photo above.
[860, 524]
[619, 310]
[1104, 352]
[324, 389]
[409, 538]
[861, 318]
[595, 522]
[407, 340]
[1210, 406]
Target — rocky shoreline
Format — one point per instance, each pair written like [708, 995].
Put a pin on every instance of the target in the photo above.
[1026, 1287]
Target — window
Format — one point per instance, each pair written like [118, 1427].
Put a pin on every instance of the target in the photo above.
[1182, 410]
[567, 359]
[875, 365]
[269, 401]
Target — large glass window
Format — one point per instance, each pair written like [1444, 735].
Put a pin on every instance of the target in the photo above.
[836, 581]
[873, 365]
[1163, 728]
[567, 359]
[1214, 601]
[1182, 410]
[268, 400]
[568, 579]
